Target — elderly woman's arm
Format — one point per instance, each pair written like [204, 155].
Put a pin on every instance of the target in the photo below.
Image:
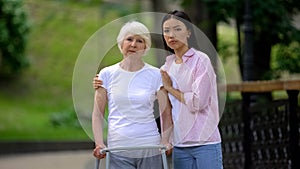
[166, 118]
[100, 100]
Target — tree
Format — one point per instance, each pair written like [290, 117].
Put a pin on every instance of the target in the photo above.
[14, 29]
[202, 17]
[272, 24]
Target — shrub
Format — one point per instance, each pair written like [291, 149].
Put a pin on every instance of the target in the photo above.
[286, 58]
[14, 29]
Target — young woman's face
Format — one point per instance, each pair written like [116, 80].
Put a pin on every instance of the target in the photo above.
[175, 33]
[133, 45]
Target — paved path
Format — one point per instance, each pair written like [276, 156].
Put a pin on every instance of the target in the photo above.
[51, 160]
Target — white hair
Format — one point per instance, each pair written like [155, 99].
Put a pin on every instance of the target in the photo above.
[134, 28]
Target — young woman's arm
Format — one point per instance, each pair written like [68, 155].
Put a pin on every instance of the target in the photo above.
[167, 82]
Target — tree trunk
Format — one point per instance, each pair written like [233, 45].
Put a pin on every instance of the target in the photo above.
[202, 18]
[256, 61]
[262, 57]
[239, 45]
[158, 5]
[157, 41]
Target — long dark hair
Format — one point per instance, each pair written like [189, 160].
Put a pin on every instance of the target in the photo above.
[185, 19]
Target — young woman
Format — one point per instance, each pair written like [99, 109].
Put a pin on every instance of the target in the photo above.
[130, 88]
[193, 95]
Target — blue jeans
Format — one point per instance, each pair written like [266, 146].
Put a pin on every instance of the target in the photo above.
[198, 157]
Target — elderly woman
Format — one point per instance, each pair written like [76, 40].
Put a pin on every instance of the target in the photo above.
[130, 88]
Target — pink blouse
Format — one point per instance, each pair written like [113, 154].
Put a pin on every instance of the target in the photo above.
[196, 121]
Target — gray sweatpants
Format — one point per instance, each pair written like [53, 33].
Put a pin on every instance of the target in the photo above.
[137, 161]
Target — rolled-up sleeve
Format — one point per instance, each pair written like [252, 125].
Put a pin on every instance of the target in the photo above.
[200, 96]
[202, 87]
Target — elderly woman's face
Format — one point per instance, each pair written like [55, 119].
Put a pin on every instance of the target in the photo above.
[133, 45]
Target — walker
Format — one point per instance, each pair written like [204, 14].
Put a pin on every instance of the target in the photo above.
[108, 150]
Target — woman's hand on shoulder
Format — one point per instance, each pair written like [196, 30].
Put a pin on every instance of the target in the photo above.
[96, 82]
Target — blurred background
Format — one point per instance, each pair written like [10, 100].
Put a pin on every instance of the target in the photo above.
[40, 41]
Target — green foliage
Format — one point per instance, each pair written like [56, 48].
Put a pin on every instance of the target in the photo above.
[85, 2]
[227, 45]
[67, 118]
[272, 24]
[272, 18]
[223, 10]
[14, 29]
[108, 8]
[287, 57]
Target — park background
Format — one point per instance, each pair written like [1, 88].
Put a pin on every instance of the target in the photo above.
[37, 104]
[36, 101]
